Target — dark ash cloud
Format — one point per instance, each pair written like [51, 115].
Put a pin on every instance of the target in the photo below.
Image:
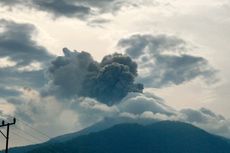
[67, 72]
[121, 59]
[77, 74]
[165, 61]
[113, 79]
[17, 44]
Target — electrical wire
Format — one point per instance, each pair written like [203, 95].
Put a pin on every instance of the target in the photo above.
[31, 127]
[38, 131]
[25, 132]
[24, 137]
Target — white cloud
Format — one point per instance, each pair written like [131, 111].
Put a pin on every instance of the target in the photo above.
[138, 103]
[34, 66]
[6, 62]
[58, 117]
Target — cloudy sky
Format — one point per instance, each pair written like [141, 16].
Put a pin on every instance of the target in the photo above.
[59, 72]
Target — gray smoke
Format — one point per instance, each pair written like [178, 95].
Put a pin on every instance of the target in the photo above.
[67, 73]
[77, 74]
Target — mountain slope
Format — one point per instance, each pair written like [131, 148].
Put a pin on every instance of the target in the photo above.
[107, 123]
[104, 124]
[160, 137]
[99, 126]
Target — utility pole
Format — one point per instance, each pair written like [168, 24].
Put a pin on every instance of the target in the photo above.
[6, 136]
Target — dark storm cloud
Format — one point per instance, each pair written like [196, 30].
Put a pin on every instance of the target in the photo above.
[104, 6]
[138, 44]
[172, 69]
[63, 8]
[16, 43]
[71, 8]
[13, 77]
[164, 60]
[77, 74]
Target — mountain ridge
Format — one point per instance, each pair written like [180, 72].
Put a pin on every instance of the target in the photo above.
[160, 137]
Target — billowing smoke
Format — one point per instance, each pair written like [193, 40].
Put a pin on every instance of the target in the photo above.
[77, 74]
[67, 73]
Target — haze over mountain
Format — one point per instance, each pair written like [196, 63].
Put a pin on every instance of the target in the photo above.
[160, 137]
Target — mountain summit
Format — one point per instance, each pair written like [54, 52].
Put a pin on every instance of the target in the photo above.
[160, 137]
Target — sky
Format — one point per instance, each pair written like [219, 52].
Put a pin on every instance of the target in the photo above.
[67, 64]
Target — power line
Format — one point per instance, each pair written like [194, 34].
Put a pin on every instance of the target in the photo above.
[25, 132]
[32, 136]
[28, 125]
[28, 139]
[6, 136]
[24, 137]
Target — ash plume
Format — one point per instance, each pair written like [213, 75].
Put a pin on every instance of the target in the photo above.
[78, 74]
